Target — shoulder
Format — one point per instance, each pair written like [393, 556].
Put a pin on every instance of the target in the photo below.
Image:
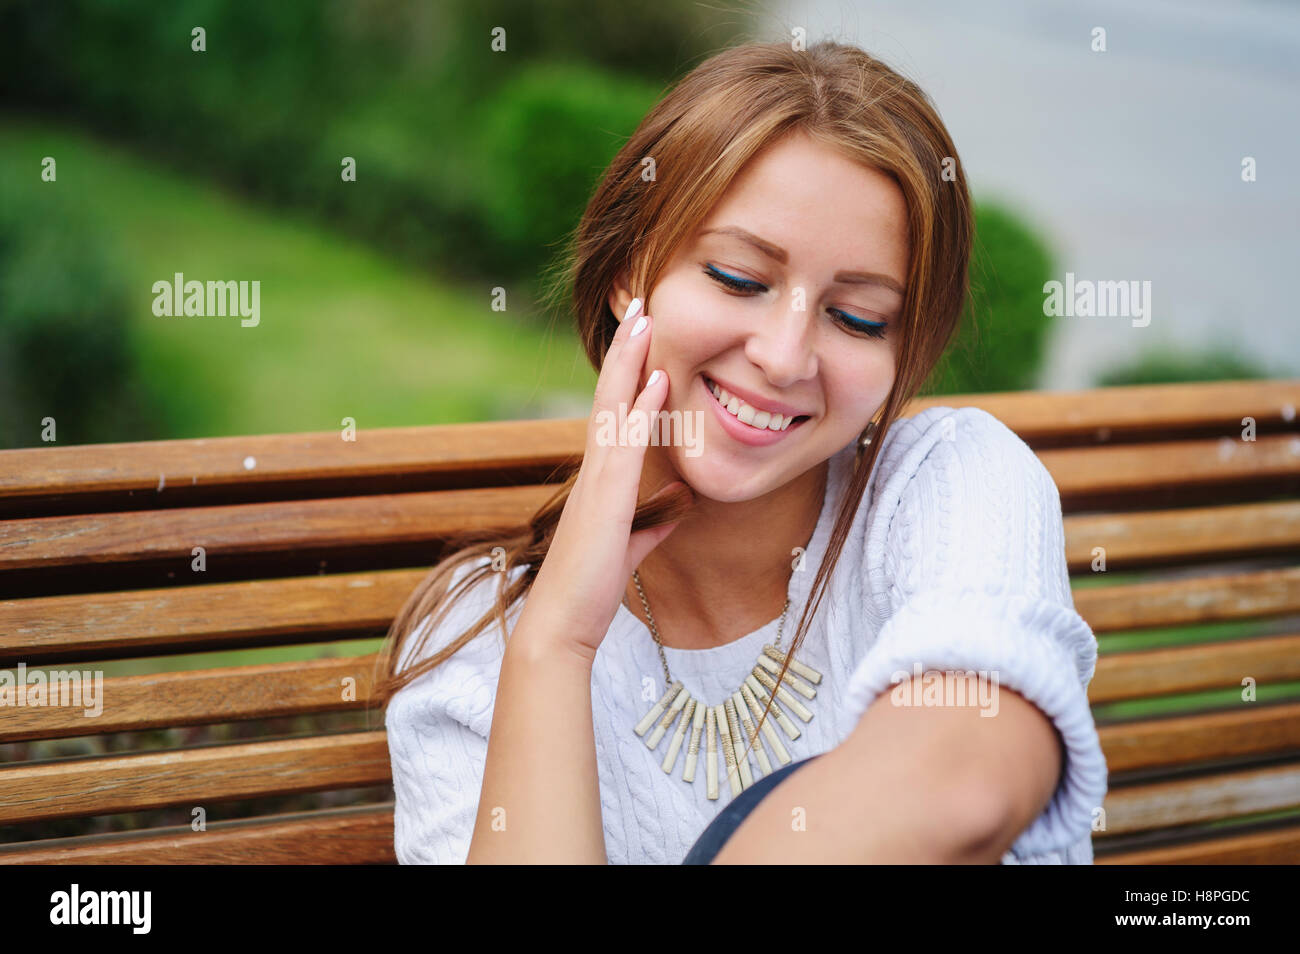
[462, 686]
[961, 501]
[970, 431]
[943, 455]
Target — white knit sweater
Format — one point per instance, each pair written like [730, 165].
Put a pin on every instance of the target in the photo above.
[955, 560]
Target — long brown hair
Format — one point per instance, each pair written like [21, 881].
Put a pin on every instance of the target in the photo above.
[700, 135]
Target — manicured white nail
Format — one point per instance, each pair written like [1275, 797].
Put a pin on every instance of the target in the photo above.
[632, 308]
[638, 327]
[654, 376]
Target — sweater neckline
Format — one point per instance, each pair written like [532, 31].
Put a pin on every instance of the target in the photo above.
[701, 661]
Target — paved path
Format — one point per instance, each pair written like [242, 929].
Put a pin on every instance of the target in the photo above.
[1128, 160]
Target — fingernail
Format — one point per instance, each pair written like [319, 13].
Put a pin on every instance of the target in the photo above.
[654, 376]
[638, 327]
[632, 308]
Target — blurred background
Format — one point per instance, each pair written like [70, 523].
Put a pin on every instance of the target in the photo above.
[127, 155]
[378, 296]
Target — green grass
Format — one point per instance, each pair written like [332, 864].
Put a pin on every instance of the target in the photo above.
[344, 332]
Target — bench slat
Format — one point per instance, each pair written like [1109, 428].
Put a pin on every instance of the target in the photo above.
[1206, 599]
[1155, 805]
[243, 529]
[176, 472]
[336, 836]
[197, 697]
[93, 626]
[476, 454]
[1218, 665]
[333, 524]
[1254, 729]
[196, 618]
[1123, 475]
[1156, 409]
[1273, 846]
[70, 788]
[1184, 534]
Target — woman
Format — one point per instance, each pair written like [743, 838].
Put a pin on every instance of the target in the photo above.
[781, 251]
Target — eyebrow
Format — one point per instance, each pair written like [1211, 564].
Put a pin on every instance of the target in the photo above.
[781, 255]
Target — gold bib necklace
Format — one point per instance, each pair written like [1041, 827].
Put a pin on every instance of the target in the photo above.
[724, 723]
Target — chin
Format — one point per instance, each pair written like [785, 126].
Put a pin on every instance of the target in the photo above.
[725, 483]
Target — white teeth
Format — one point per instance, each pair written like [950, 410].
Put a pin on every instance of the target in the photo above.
[748, 414]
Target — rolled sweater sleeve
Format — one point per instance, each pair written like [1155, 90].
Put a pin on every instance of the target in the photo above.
[965, 569]
[438, 727]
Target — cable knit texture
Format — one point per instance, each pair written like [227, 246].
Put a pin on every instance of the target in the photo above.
[955, 561]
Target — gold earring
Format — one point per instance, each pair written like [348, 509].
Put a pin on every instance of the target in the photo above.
[867, 436]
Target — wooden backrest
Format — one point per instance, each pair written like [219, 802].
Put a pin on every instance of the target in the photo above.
[309, 539]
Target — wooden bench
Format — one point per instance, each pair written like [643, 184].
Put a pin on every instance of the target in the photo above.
[310, 539]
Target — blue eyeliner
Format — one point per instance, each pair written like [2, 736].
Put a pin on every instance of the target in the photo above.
[874, 329]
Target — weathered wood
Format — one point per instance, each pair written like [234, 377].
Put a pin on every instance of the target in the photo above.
[339, 836]
[240, 529]
[147, 474]
[95, 524]
[1159, 411]
[196, 618]
[1135, 808]
[1182, 535]
[1128, 475]
[231, 532]
[1272, 846]
[198, 697]
[1253, 729]
[1218, 665]
[193, 776]
[1208, 599]
[142, 474]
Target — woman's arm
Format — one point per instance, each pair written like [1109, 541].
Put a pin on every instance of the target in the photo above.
[540, 801]
[964, 571]
[910, 785]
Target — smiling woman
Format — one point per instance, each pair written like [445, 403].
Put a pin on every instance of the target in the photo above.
[793, 274]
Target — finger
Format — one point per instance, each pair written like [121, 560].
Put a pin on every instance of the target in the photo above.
[623, 364]
[643, 541]
[622, 463]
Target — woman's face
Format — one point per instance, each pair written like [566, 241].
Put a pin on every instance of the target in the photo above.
[789, 296]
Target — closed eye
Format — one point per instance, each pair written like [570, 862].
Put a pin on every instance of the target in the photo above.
[851, 323]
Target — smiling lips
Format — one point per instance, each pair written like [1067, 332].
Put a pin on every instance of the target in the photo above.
[751, 416]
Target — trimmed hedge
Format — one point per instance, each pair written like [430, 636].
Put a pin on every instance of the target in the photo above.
[65, 348]
[1003, 334]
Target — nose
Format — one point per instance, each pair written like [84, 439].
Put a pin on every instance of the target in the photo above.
[782, 343]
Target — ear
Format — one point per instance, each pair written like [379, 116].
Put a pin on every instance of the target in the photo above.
[620, 296]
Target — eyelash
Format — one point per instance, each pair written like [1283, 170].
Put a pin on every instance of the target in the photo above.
[844, 319]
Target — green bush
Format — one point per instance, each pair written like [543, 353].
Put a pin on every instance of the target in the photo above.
[1166, 365]
[1000, 343]
[65, 350]
[545, 139]
[285, 90]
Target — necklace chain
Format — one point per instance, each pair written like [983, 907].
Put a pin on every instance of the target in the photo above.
[654, 630]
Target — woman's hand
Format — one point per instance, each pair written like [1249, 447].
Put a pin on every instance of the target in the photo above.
[585, 572]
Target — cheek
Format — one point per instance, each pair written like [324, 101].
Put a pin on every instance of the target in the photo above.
[860, 386]
[690, 327]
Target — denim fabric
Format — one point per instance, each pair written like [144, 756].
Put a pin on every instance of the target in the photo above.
[722, 827]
